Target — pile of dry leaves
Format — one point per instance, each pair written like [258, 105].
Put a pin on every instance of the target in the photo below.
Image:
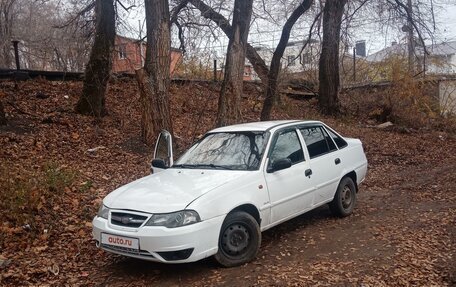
[56, 166]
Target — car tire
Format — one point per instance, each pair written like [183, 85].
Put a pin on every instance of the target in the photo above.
[239, 240]
[345, 198]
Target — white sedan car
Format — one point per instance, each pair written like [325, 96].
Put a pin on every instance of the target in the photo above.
[231, 185]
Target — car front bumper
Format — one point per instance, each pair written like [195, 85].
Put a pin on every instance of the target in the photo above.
[161, 244]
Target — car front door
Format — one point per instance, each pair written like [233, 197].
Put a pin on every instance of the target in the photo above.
[290, 189]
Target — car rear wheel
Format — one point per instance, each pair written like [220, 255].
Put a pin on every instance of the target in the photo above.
[344, 201]
[239, 240]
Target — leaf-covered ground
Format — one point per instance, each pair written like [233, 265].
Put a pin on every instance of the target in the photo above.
[56, 167]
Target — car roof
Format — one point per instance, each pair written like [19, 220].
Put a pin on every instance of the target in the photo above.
[259, 126]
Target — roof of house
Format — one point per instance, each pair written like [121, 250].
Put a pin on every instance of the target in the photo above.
[442, 49]
[299, 43]
[302, 42]
[445, 48]
[397, 49]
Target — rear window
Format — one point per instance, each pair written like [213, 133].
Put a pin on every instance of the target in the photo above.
[340, 142]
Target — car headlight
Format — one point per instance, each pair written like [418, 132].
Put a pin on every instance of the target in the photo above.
[103, 212]
[175, 219]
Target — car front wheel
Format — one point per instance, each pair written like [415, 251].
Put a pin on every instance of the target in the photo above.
[344, 201]
[239, 240]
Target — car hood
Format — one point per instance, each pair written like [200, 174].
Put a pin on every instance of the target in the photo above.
[169, 190]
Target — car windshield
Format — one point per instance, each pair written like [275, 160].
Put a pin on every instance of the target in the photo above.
[226, 150]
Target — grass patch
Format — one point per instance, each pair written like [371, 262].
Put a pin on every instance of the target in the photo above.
[57, 178]
[25, 193]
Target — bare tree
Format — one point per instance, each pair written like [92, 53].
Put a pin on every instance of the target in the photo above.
[98, 70]
[155, 78]
[409, 21]
[52, 38]
[268, 75]
[8, 14]
[329, 80]
[223, 23]
[273, 74]
[230, 94]
[415, 23]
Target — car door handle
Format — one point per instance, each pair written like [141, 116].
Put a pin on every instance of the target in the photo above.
[337, 160]
[308, 172]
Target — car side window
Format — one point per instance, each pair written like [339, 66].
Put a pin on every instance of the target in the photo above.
[287, 145]
[340, 142]
[331, 144]
[317, 141]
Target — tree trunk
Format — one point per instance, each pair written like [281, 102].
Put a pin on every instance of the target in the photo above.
[230, 96]
[274, 70]
[410, 41]
[7, 17]
[2, 115]
[252, 55]
[329, 86]
[155, 78]
[98, 70]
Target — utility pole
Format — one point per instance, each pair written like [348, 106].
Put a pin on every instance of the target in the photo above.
[140, 45]
[410, 40]
[354, 64]
[16, 54]
[215, 70]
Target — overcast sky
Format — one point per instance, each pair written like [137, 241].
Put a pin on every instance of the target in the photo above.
[445, 23]
[375, 39]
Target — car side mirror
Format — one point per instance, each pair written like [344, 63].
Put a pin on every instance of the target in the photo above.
[158, 163]
[280, 164]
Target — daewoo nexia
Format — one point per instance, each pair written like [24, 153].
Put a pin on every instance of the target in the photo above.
[227, 188]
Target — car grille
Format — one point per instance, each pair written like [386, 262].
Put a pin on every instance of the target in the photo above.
[127, 219]
[125, 250]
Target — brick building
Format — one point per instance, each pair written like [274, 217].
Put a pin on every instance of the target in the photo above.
[129, 55]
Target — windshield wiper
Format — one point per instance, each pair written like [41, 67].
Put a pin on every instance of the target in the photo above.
[211, 165]
[202, 165]
[183, 165]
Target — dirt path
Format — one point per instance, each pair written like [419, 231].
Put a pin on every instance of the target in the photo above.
[400, 234]
[392, 239]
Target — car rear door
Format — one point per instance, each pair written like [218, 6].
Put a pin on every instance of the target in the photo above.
[324, 162]
[290, 190]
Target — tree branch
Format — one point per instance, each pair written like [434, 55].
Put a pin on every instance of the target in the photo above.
[356, 10]
[181, 36]
[85, 10]
[286, 30]
[175, 12]
[309, 36]
[412, 21]
[124, 7]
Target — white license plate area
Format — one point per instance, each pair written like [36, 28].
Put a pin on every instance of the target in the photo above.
[121, 241]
